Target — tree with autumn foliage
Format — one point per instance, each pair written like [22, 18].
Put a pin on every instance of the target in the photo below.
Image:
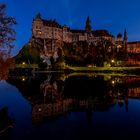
[7, 37]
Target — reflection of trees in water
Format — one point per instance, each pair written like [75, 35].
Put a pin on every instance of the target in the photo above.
[5, 121]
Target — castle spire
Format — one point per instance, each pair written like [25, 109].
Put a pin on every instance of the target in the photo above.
[88, 27]
[125, 41]
[125, 35]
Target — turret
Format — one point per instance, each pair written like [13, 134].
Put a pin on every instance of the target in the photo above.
[37, 26]
[38, 17]
[119, 37]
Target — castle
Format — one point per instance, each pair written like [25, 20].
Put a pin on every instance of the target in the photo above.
[50, 29]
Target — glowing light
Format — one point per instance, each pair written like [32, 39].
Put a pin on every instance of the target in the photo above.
[89, 66]
[23, 63]
[119, 94]
[40, 32]
[113, 82]
[23, 79]
[119, 46]
[112, 60]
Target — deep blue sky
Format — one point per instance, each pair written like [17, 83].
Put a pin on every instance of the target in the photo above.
[113, 15]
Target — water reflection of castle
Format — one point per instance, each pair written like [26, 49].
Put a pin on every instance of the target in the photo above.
[55, 97]
[55, 104]
[134, 89]
[134, 92]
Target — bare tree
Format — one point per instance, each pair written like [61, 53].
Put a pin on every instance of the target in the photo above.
[7, 36]
[7, 32]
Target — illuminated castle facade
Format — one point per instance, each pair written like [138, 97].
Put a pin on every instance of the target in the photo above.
[52, 33]
[50, 29]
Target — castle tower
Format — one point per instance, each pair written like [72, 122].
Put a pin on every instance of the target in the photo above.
[37, 26]
[88, 27]
[125, 40]
[119, 37]
[125, 36]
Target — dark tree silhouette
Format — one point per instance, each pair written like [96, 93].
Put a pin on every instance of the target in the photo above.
[7, 32]
[7, 36]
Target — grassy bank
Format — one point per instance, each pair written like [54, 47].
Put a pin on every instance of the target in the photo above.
[104, 69]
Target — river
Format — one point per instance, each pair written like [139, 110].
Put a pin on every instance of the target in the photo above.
[70, 106]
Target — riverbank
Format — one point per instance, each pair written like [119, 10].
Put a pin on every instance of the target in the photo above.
[71, 69]
[105, 69]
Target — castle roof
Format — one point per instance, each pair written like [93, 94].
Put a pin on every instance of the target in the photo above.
[77, 31]
[54, 23]
[101, 33]
[51, 23]
[134, 42]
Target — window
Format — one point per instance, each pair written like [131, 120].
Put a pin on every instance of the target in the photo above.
[38, 27]
[39, 32]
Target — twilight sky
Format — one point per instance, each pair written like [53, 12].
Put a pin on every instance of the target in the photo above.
[113, 15]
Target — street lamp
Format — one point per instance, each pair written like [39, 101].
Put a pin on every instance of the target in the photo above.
[112, 60]
[23, 63]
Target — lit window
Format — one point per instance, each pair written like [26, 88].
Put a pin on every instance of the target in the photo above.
[40, 32]
[119, 46]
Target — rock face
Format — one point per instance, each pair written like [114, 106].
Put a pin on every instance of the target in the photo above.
[53, 53]
[44, 52]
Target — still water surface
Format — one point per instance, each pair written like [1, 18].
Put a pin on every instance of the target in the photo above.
[70, 107]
